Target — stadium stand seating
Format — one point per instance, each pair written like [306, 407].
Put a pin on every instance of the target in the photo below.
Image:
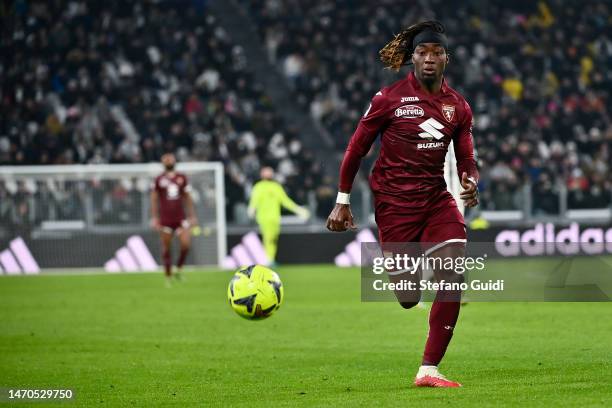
[535, 74]
[102, 82]
[116, 82]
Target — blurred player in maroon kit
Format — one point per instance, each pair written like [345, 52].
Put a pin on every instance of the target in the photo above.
[169, 197]
[417, 118]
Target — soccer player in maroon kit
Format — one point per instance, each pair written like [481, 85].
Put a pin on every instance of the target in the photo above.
[417, 118]
[169, 197]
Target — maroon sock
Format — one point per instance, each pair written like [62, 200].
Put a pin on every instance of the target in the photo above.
[182, 257]
[167, 262]
[442, 320]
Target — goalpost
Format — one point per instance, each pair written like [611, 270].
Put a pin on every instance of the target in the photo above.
[98, 216]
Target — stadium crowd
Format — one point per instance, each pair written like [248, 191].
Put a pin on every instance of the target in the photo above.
[535, 73]
[117, 82]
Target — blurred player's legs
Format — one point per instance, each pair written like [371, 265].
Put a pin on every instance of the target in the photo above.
[270, 230]
[184, 235]
[166, 234]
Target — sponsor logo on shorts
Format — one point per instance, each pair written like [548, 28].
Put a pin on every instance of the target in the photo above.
[409, 112]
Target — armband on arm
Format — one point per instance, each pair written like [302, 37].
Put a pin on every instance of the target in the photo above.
[343, 198]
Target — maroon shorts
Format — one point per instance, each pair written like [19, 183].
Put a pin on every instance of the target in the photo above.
[173, 225]
[438, 222]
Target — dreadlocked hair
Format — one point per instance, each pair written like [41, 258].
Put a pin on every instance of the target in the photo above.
[397, 51]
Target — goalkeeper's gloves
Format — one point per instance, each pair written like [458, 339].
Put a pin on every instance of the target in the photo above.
[303, 213]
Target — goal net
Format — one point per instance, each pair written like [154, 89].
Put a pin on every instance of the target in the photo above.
[98, 216]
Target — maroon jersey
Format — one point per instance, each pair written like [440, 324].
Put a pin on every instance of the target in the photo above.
[416, 129]
[170, 188]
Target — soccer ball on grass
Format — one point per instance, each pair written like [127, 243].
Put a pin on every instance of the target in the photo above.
[255, 292]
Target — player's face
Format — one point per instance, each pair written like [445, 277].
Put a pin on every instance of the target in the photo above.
[168, 160]
[429, 61]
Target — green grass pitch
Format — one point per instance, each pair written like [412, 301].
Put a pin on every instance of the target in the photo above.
[126, 340]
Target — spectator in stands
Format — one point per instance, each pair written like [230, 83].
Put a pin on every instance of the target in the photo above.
[146, 77]
[138, 79]
[536, 76]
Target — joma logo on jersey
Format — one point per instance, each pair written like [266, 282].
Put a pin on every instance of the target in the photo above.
[409, 99]
[409, 112]
[431, 129]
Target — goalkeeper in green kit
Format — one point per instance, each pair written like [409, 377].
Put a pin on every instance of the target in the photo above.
[267, 197]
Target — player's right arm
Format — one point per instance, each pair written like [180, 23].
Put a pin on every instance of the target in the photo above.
[375, 117]
[155, 206]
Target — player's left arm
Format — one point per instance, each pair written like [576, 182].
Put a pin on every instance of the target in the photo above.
[188, 201]
[466, 163]
[253, 201]
[290, 205]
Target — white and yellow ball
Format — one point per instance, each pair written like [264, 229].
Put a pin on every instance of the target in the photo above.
[255, 292]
